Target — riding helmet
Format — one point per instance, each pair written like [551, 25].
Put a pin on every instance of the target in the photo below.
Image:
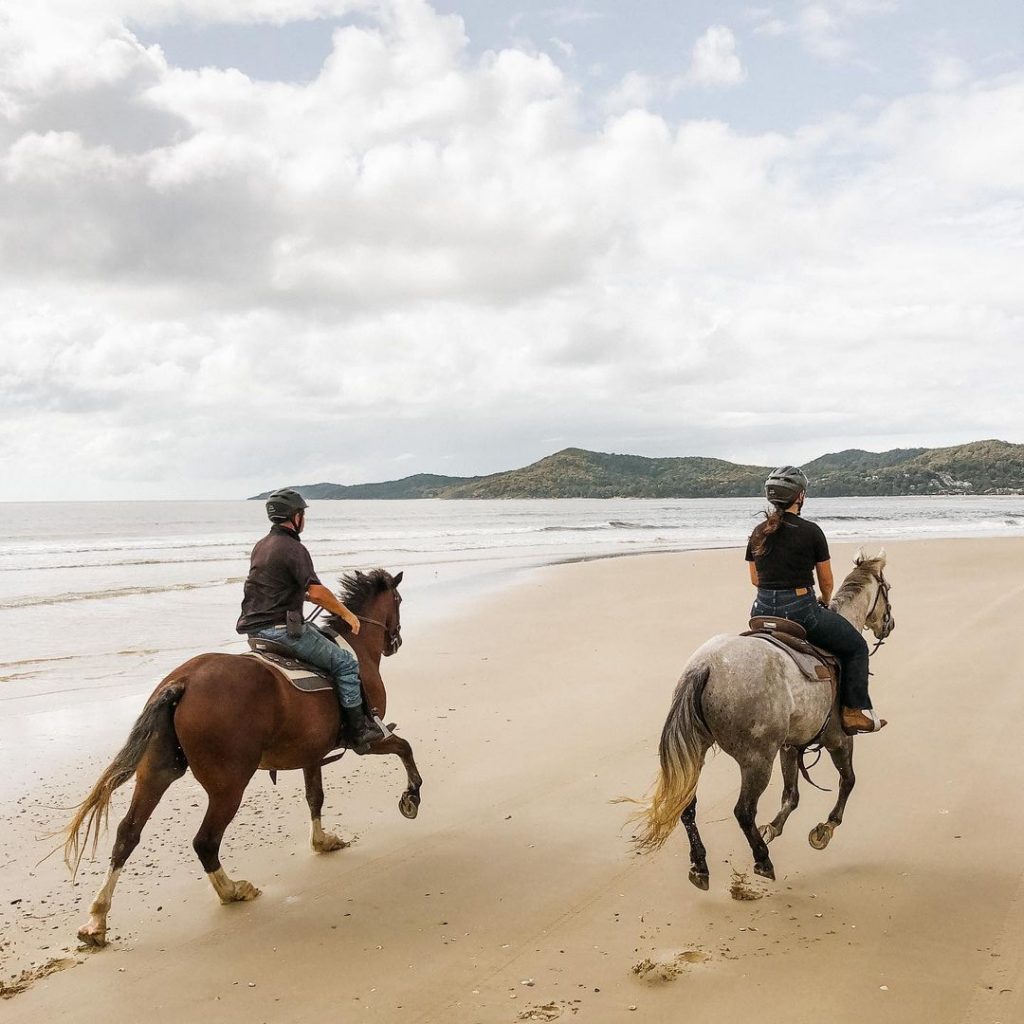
[283, 504]
[784, 485]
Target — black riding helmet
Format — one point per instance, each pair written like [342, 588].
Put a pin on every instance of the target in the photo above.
[784, 485]
[283, 504]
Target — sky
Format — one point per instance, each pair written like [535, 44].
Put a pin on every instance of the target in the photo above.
[255, 243]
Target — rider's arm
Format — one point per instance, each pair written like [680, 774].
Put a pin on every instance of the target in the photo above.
[825, 581]
[319, 594]
[753, 572]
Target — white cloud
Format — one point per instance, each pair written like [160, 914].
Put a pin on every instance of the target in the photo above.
[633, 91]
[948, 72]
[419, 251]
[714, 60]
[822, 26]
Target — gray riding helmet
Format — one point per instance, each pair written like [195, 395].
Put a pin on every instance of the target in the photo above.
[784, 485]
[283, 504]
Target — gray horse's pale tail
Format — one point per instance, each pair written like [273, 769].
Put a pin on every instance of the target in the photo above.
[685, 740]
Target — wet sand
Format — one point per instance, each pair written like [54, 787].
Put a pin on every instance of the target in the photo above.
[515, 894]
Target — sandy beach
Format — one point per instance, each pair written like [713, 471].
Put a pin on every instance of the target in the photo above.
[515, 895]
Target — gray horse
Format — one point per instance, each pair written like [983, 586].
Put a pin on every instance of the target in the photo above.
[753, 701]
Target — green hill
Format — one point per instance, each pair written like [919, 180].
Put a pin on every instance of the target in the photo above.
[421, 485]
[982, 467]
[576, 473]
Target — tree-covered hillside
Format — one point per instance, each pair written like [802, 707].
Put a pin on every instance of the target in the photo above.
[982, 467]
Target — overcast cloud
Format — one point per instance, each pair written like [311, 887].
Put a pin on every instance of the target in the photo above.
[417, 252]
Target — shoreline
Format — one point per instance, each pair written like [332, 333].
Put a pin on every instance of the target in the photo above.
[528, 710]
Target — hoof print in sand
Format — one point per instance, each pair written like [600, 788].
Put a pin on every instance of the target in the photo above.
[14, 987]
[741, 888]
[668, 968]
[549, 1011]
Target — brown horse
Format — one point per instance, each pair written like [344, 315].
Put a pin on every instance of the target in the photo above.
[225, 716]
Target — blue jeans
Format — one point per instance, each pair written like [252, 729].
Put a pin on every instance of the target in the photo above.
[827, 629]
[315, 649]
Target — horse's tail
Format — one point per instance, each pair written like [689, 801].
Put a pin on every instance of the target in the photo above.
[92, 813]
[685, 740]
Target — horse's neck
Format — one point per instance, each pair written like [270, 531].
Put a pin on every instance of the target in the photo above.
[855, 609]
[367, 651]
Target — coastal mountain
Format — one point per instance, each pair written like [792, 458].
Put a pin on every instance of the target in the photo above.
[421, 485]
[982, 467]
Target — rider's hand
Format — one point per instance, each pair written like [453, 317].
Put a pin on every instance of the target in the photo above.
[353, 623]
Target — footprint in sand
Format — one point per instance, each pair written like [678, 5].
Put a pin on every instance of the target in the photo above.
[668, 967]
[549, 1011]
[18, 985]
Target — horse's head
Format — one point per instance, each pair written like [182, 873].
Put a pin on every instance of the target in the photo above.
[374, 598]
[879, 619]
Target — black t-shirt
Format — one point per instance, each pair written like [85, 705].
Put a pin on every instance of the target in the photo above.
[280, 573]
[792, 553]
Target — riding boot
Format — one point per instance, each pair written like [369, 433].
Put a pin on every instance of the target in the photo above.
[359, 734]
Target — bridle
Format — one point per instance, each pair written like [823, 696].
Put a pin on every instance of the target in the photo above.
[392, 637]
[885, 626]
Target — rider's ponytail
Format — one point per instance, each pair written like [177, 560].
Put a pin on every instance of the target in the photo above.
[763, 532]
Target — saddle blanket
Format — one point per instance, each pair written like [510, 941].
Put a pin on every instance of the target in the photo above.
[810, 665]
[302, 676]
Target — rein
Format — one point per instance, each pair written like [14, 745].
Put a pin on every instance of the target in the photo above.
[816, 744]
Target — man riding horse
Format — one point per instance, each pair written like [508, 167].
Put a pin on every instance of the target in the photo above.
[281, 577]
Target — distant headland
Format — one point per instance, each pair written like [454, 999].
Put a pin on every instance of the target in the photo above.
[981, 467]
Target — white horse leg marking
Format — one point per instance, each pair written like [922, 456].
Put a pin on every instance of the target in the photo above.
[94, 931]
[230, 891]
[324, 842]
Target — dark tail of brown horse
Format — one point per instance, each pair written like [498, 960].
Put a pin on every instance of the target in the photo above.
[91, 814]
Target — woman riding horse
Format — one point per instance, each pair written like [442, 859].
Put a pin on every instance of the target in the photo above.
[784, 553]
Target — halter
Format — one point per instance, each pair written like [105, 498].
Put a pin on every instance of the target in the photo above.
[392, 638]
[885, 626]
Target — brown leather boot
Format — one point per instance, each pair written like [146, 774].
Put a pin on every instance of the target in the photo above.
[856, 720]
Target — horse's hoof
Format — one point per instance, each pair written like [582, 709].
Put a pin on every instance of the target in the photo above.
[92, 936]
[768, 832]
[765, 870]
[243, 893]
[329, 842]
[821, 835]
[409, 805]
[700, 879]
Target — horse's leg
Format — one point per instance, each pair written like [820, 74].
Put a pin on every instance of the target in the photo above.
[842, 758]
[321, 841]
[225, 794]
[755, 774]
[160, 765]
[409, 801]
[789, 757]
[699, 874]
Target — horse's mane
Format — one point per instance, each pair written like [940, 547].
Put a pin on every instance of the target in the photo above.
[358, 589]
[863, 573]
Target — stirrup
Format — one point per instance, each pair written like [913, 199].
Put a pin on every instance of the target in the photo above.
[876, 723]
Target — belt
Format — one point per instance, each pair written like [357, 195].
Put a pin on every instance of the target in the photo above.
[799, 591]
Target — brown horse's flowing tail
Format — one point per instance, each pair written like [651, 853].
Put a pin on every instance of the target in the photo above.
[93, 811]
[685, 740]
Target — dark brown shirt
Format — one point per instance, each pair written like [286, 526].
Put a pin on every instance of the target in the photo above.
[280, 573]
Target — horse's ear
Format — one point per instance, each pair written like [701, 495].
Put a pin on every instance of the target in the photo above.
[396, 579]
[881, 559]
[859, 558]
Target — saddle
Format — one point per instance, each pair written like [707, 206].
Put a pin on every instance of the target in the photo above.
[301, 675]
[791, 638]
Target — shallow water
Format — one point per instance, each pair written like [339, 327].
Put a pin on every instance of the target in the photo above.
[105, 597]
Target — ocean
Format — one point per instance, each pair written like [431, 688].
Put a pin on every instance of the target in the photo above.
[105, 597]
